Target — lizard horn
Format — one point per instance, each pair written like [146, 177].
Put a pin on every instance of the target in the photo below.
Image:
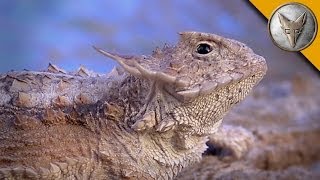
[160, 76]
[136, 69]
[122, 61]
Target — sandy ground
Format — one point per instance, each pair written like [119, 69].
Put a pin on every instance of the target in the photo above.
[273, 134]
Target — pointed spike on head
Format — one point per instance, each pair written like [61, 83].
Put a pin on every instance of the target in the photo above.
[171, 79]
[144, 71]
[137, 69]
[122, 61]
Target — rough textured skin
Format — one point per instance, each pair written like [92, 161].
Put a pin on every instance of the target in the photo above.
[237, 144]
[273, 134]
[147, 119]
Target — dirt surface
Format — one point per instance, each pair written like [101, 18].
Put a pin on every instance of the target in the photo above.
[273, 134]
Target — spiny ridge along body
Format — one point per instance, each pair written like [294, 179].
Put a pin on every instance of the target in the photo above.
[148, 118]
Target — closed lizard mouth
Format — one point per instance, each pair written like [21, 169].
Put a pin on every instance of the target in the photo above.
[212, 86]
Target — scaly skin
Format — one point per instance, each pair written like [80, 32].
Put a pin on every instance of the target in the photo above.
[147, 119]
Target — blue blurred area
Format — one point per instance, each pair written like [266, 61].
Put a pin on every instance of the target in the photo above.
[34, 33]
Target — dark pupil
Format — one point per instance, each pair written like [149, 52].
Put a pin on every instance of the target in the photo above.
[203, 48]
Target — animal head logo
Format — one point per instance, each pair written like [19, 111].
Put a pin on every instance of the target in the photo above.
[292, 29]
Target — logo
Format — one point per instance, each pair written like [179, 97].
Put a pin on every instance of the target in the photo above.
[292, 27]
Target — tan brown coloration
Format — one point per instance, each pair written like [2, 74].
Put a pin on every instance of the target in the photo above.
[234, 142]
[54, 69]
[278, 137]
[61, 101]
[148, 122]
[113, 112]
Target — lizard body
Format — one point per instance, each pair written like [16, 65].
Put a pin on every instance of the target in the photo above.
[147, 119]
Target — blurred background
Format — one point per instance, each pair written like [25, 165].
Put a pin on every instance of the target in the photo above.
[34, 33]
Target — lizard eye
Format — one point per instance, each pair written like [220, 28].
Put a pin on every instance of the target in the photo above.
[204, 48]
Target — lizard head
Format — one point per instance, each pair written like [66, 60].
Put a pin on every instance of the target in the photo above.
[193, 84]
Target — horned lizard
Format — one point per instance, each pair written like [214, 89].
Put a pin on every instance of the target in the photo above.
[148, 118]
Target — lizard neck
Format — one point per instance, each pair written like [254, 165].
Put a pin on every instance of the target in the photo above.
[158, 154]
[164, 149]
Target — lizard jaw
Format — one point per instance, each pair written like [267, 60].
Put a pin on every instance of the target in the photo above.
[258, 70]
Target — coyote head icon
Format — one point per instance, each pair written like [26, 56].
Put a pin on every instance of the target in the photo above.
[292, 29]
